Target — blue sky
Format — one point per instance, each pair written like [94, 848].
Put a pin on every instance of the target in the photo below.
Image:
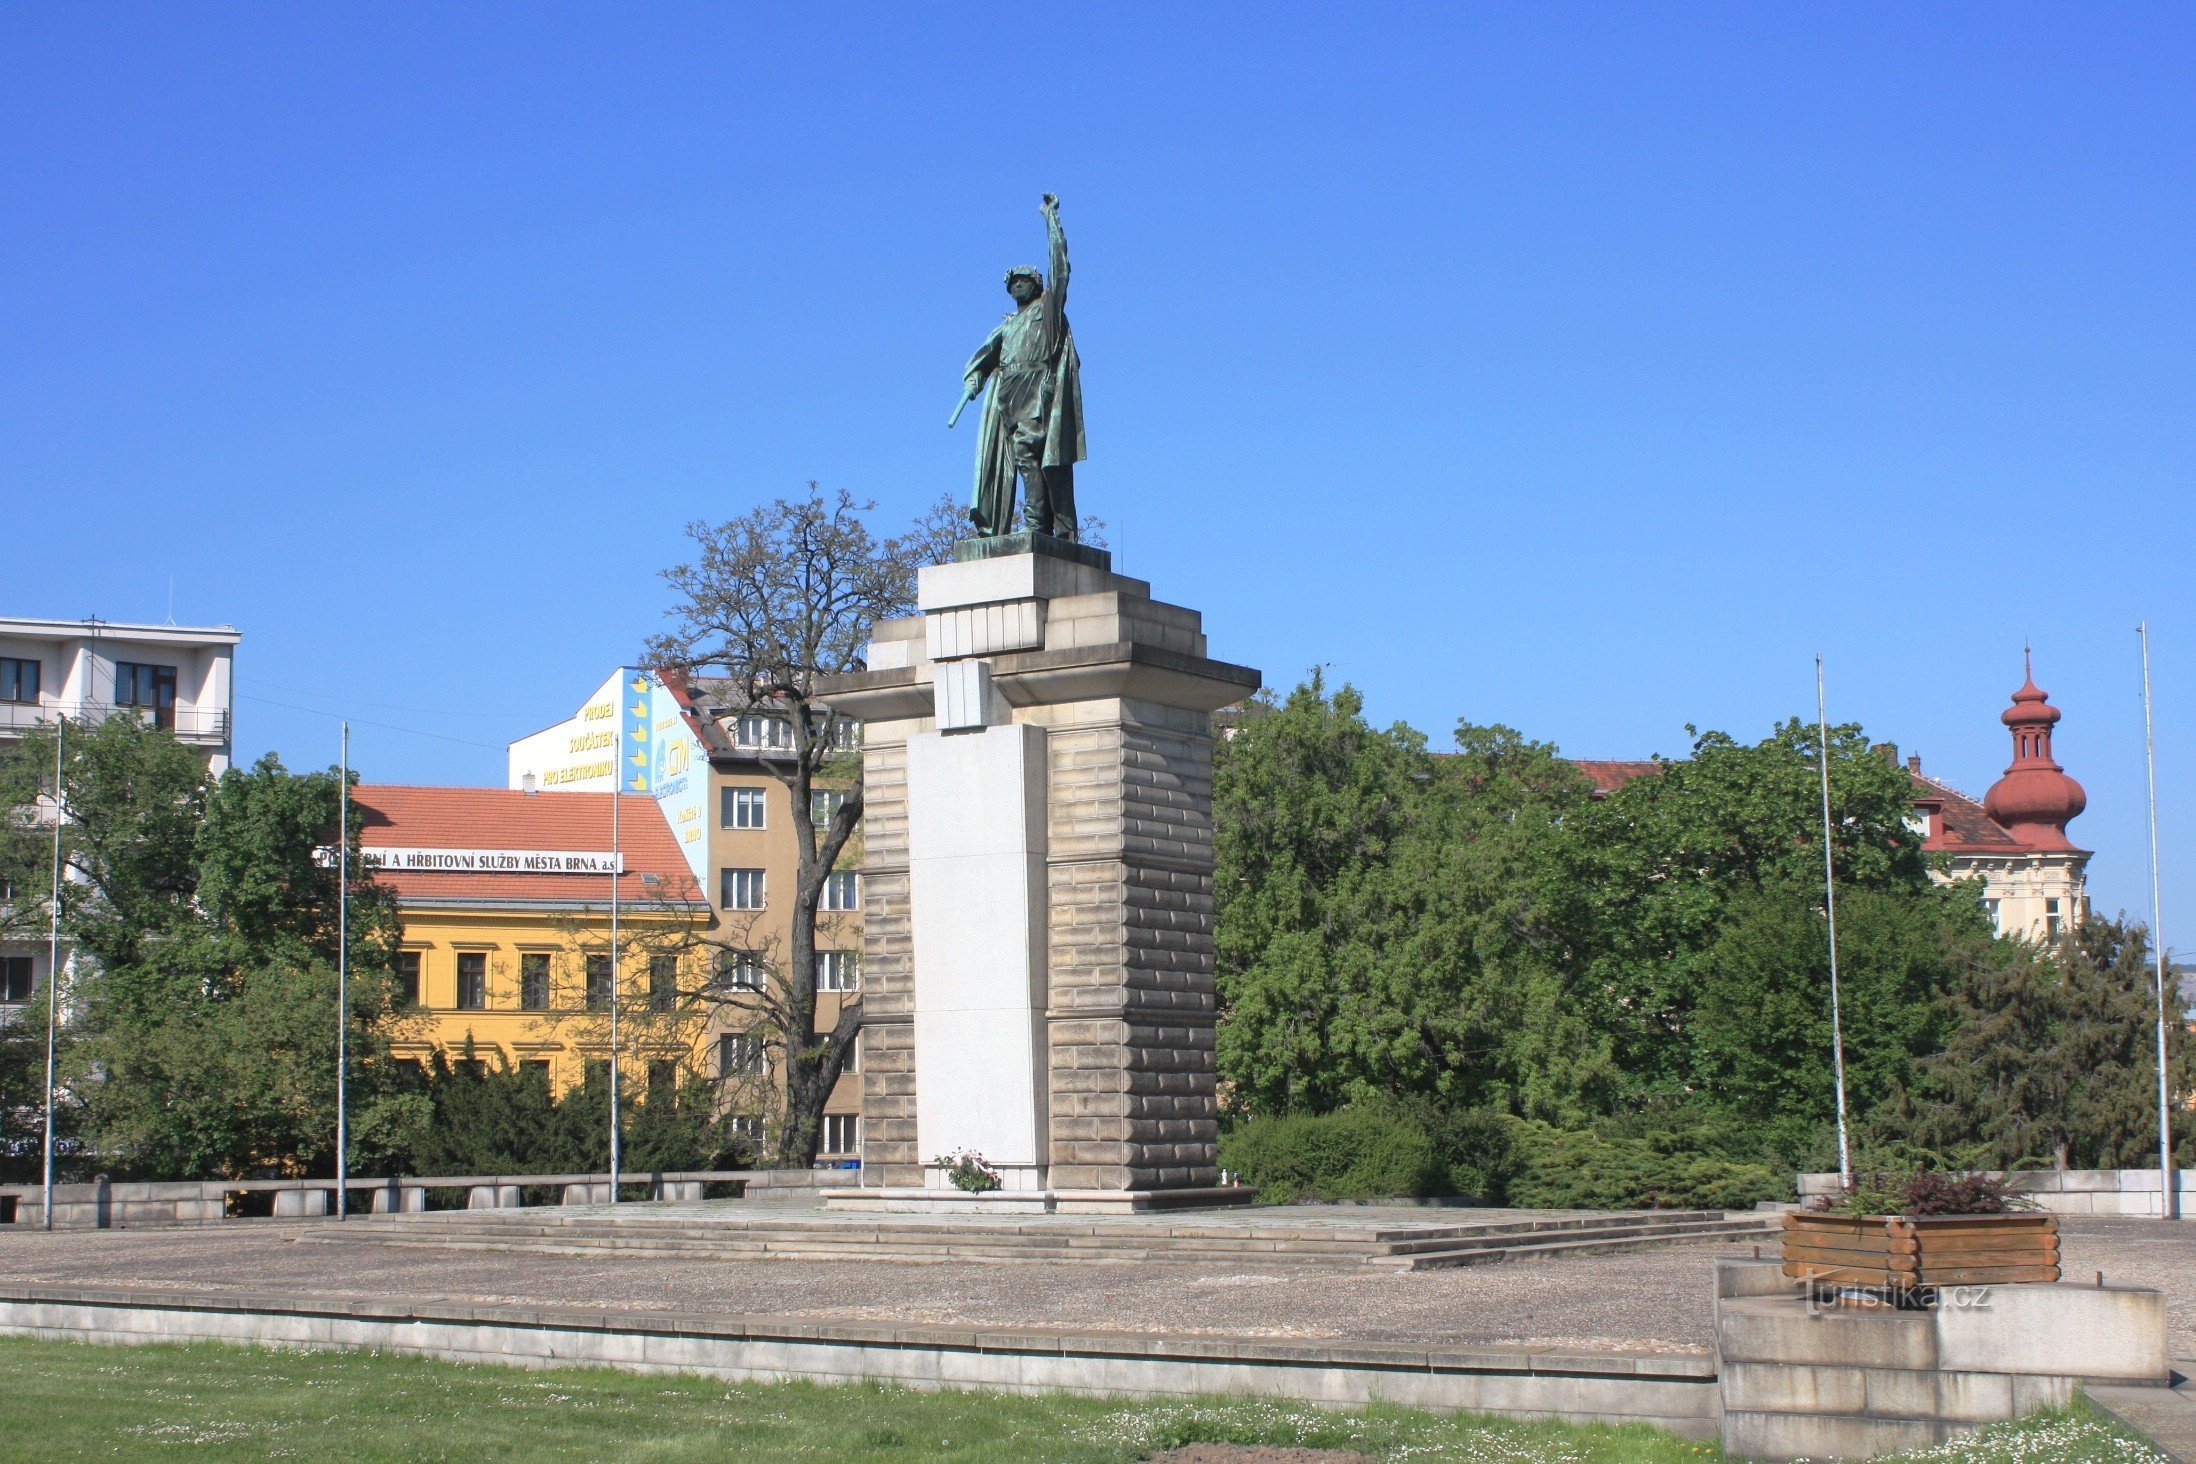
[1584, 368]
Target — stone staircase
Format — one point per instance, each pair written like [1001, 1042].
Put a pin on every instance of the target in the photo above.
[730, 1234]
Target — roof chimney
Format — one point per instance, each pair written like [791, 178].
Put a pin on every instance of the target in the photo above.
[528, 783]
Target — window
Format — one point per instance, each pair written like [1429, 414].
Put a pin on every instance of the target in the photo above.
[663, 983]
[408, 978]
[740, 970]
[598, 983]
[747, 1125]
[739, 1055]
[534, 981]
[18, 680]
[838, 971]
[844, 732]
[15, 978]
[842, 891]
[1997, 921]
[853, 1063]
[824, 805]
[140, 685]
[472, 994]
[842, 1133]
[470, 1067]
[2052, 920]
[742, 889]
[742, 808]
[760, 730]
[663, 1083]
[534, 1070]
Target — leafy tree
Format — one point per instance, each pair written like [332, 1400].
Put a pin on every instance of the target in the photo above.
[1378, 907]
[1762, 1032]
[1310, 804]
[201, 1035]
[772, 601]
[1652, 880]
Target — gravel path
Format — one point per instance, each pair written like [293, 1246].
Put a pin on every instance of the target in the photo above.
[1656, 1299]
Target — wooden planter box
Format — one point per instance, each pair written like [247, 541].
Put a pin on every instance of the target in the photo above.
[1907, 1252]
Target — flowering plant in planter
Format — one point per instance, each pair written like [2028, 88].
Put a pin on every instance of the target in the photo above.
[1908, 1233]
[1924, 1192]
[969, 1171]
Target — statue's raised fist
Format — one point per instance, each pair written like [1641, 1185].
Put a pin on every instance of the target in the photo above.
[1050, 206]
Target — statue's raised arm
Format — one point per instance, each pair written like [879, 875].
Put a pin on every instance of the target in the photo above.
[1056, 260]
[1033, 418]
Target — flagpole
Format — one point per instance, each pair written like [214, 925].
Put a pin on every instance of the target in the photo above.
[53, 967]
[343, 973]
[2169, 1199]
[1830, 907]
[617, 796]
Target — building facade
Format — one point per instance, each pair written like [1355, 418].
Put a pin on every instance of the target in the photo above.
[710, 767]
[2034, 879]
[504, 898]
[175, 676]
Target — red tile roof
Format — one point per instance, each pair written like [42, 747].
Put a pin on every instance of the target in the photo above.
[1607, 776]
[397, 817]
[1957, 823]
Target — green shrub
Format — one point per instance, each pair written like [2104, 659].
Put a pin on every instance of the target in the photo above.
[1365, 1152]
[1472, 1146]
[1567, 1169]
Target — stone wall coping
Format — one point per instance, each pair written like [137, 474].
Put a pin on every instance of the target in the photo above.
[1526, 1361]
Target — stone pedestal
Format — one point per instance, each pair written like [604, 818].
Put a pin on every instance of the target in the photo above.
[1037, 881]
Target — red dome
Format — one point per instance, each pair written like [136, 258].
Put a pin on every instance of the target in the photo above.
[2035, 800]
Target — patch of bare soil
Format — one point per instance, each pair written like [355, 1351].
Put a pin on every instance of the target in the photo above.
[1257, 1454]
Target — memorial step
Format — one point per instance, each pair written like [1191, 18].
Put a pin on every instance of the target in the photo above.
[1416, 1247]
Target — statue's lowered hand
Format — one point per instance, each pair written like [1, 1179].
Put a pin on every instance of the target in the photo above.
[961, 406]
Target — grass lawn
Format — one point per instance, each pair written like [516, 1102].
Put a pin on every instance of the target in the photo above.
[60, 1399]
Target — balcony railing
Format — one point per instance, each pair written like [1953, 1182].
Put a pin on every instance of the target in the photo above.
[191, 724]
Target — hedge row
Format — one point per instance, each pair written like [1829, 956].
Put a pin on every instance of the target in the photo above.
[1378, 1151]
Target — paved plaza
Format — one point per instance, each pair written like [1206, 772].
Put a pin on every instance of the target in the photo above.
[1658, 1299]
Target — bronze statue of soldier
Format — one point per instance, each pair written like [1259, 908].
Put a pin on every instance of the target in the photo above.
[1032, 425]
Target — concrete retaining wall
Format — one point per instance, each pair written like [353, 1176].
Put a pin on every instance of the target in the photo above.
[1807, 1380]
[1674, 1392]
[105, 1204]
[2131, 1192]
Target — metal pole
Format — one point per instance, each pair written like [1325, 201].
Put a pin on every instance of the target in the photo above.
[617, 796]
[53, 967]
[343, 973]
[2169, 1199]
[1830, 907]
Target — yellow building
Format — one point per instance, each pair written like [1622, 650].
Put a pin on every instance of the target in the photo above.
[710, 766]
[505, 902]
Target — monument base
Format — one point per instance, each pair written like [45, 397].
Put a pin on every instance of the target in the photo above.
[912, 1201]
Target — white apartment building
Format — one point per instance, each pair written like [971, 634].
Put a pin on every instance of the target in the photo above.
[177, 676]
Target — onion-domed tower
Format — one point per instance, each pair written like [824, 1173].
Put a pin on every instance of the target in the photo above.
[2035, 800]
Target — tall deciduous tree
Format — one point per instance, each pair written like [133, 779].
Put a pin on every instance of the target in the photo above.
[1656, 874]
[771, 602]
[1378, 908]
[202, 1031]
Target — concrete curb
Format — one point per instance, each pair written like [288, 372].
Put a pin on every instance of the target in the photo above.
[2166, 1416]
[1677, 1392]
